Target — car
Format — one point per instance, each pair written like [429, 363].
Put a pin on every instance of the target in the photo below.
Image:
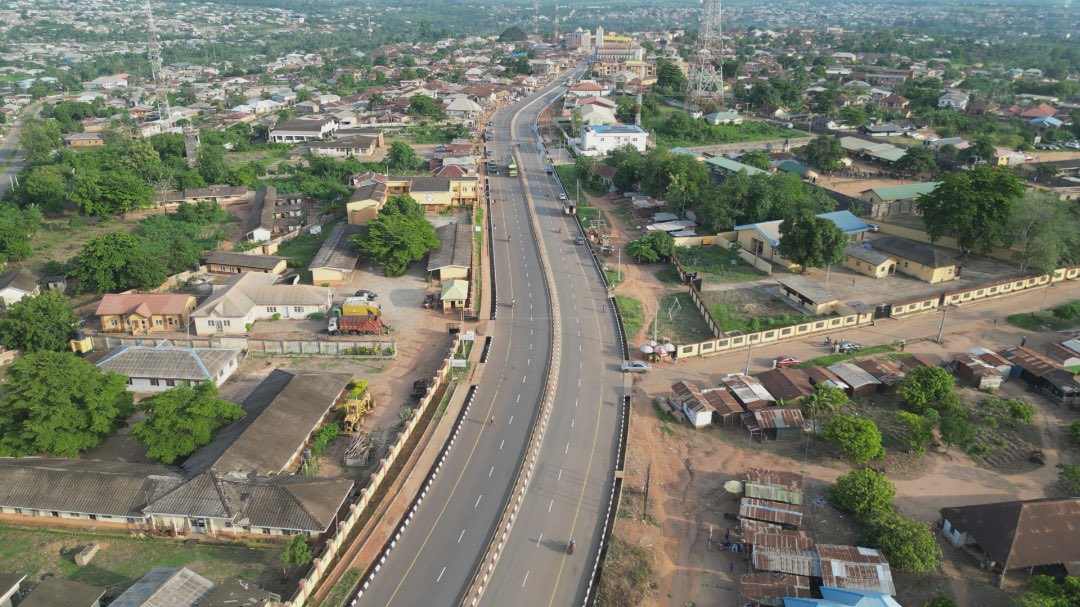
[550, 171]
[562, 196]
[1073, 145]
[845, 347]
[579, 240]
[372, 295]
[785, 361]
[635, 366]
[873, 227]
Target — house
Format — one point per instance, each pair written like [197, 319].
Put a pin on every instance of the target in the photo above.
[347, 146]
[158, 368]
[83, 140]
[17, 284]
[454, 294]
[145, 313]
[771, 588]
[594, 114]
[855, 568]
[1044, 375]
[888, 129]
[435, 194]
[954, 100]
[272, 215]
[842, 597]
[822, 375]
[220, 194]
[726, 166]
[56, 591]
[724, 118]
[166, 587]
[925, 262]
[796, 167]
[453, 258]
[463, 108]
[892, 201]
[869, 262]
[252, 296]
[10, 587]
[748, 391]
[885, 371]
[858, 380]
[603, 139]
[240, 593]
[976, 372]
[763, 238]
[788, 385]
[788, 516]
[895, 104]
[1017, 534]
[1067, 353]
[302, 129]
[777, 423]
[337, 257]
[229, 262]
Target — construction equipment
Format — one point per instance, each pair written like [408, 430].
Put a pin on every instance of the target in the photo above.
[357, 406]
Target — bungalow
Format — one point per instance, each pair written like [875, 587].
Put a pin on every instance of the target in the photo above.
[337, 258]
[789, 385]
[453, 258]
[435, 194]
[884, 371]
[17, 284]
[1016, 535]
[158, 368]
[144, 312]
[83, 140]
[748, 391]
[251, 296]
[301, 130]
[925, 262]
[803, 171]
[763, 238]
[727, 166]
[859, 381]
[229, 262]
[349, 146]
[454, 294]
[463, 108]
[272, 215]
[869, 262]
[892, 201]
[954, 100]
[724, 118]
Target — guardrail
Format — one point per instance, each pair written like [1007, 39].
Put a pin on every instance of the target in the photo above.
[613, 504]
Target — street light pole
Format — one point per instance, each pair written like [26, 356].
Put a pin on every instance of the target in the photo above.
[1046, 291]
[620, 265]
[941, 327]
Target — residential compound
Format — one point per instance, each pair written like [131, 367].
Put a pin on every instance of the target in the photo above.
[434, 194]
[251, 296]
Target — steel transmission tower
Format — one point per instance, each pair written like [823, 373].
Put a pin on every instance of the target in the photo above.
[706, 81]
[536, 17]
[555, 26]
[161, 96]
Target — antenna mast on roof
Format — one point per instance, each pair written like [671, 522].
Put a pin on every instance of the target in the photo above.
[161, 100]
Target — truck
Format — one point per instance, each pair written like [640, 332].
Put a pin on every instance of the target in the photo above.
[360, 306]
[355, 325]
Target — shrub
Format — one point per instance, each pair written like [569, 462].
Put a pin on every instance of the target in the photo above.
[1020, 410]
[316, 316]
[908, 545]
[323, 436]
[941, 600]
[858, 438]
[276, 316]
[1069, 478]
[1074, 432]
[864, 493]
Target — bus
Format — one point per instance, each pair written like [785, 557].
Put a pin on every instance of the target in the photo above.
[511, 167]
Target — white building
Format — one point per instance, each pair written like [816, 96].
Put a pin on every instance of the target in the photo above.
[18, 284]
[601, 140]
[955, 100]
[158, 368]
[252, 296]
[293, 131]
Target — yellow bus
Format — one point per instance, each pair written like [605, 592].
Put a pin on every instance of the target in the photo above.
[511, 167]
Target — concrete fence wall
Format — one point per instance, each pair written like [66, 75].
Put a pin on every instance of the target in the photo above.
[771, 145]
[259, 346]
[334, 542]
[738, 342]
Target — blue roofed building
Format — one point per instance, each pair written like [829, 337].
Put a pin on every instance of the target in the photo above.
[763, 238]
[840, 597]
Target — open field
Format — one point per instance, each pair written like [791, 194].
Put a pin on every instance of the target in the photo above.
[302, 249]
[750, 130]
[681, 323]
[632, 316]
[716, 264]
[750, 310]
[62, 239]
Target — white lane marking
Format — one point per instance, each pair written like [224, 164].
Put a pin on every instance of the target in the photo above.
[441, 574]
[511, 420]
[528, 362]
[518, 399]
[551, 504]
[490, 471]
[477, 502]
[501, 443]
[566, 451]
[525, 580]
[461, 536]
[560, 474]
[576, 402]
[572, 423]
[523, 378]
[538, 540]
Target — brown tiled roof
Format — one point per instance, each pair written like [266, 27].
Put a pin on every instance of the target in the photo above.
[1023, 533]
[145, 304]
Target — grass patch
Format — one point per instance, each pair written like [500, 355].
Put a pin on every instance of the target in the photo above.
[302, 249]
[264, 156]
[633, 316]
[684, 324]
[478, 253]
[568, 177]
[449, 394]
[668, 275]
[832, 359]
[1054, 319]
[707, 134]
[716, 264]
[750, 310]
[342, 590]
[62, 239]
[627, 576]
[612, 276]
[123, 559]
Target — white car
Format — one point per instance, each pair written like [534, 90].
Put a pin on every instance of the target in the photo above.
[636, 366]
[562, 196]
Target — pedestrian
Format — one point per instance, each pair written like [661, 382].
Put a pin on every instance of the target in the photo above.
[1023, 341]
[727, 534]
[995, 320]
[903, 344]
[731, 568]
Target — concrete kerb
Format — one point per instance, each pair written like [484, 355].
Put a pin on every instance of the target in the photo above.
[506, 522]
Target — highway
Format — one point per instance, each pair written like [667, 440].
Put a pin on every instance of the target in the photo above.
[10, 155]
[568, 496]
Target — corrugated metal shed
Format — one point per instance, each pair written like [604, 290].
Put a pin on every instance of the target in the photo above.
[790, 480]
[772, 492]
[771, 588]
[884, 371]
[861, 382]
[775, 418]
[855, 568]
[771, 512]
[821, 375]
[780, 539]
[748, 391]
[799, 562]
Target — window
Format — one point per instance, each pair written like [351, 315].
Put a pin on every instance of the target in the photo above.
[172, 321]
[158, 322]
[170, 382]
[298, 308]
[271, 309]
[155, 382]
[112, 323]
[129, 381]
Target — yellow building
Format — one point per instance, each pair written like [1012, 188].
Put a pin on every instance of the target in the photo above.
[923, 261]
[230, 262]
[434, 194]
[763, 238]
[144, 312]
[336, 260]
[868, 261]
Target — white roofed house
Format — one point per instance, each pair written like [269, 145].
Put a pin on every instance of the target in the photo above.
[252, 296]
[17, 284]
[463, 108]
[300, 130]
[158, 368]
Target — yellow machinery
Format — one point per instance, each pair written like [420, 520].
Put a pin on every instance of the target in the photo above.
[356, 407]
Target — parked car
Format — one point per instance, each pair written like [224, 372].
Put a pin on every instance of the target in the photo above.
[550, 171]
[873, 227]
[371, 295]
[785, 361]
[562, 196]
[636, 366]
[1073, 145]
[579, 240]
[846, 347]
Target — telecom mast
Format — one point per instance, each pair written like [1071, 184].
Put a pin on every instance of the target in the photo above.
[161, 100]
[706, 81]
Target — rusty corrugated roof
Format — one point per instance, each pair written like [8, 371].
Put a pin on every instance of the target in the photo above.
[780, 539]
[798, 562]
[771, 588]
[772, 418]
[771, 512]
[788, 384]
[855, 568]
[790, 480]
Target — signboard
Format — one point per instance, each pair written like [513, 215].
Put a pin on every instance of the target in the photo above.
[458, 363]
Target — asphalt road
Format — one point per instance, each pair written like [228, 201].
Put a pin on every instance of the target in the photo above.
[433, 562]
[10, 152]
[568, 496]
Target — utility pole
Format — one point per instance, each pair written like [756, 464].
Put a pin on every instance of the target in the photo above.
[941, 327]
[749, 349]
[645, 502]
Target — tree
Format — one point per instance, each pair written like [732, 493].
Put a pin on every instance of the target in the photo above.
[422, 105]
[512, 34]
[17, 227]
[629, 165]
[295, 552]
[908, 545]
[811, 241]
[39, 140]
[1069, 478]
[975, 207]
[983, 149]
[182, 419]
[115, 262]
[853, 115]
[1074, 432]
[398, 236]
[758, 159]
[210, 164]
[1045, 591]
[864, 493]
[919, 429]
[957, 431]
[1047, 232]
[669, 76]
[651, 248]
[117, 193]
[941, 600]
[55, 403]
[927, 387]
[42, 322]
[401, 157]
[859, 439]
[917, 160]
[824, 152]
[43, 186]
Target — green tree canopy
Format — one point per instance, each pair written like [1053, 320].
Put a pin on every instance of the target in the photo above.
[55, 403]
[1046, 591]
[43, 186]
[941, 600]
[927, 387]
[916, 161]
[758, 159]
[908, 545]
[41, 322]
[976, 207]
[824, 152]
[398, 236]
[116, 262]
[295, 552]
[17, 228]
[114, 193]
[401, 157]
[651, 248]
[918, 429]
[182, 419]
[859, 439]
[1047, 231]
[512, 34]
[422, 105]
[39, 140]
[811, 241]
[864, 493]
[669, 76]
